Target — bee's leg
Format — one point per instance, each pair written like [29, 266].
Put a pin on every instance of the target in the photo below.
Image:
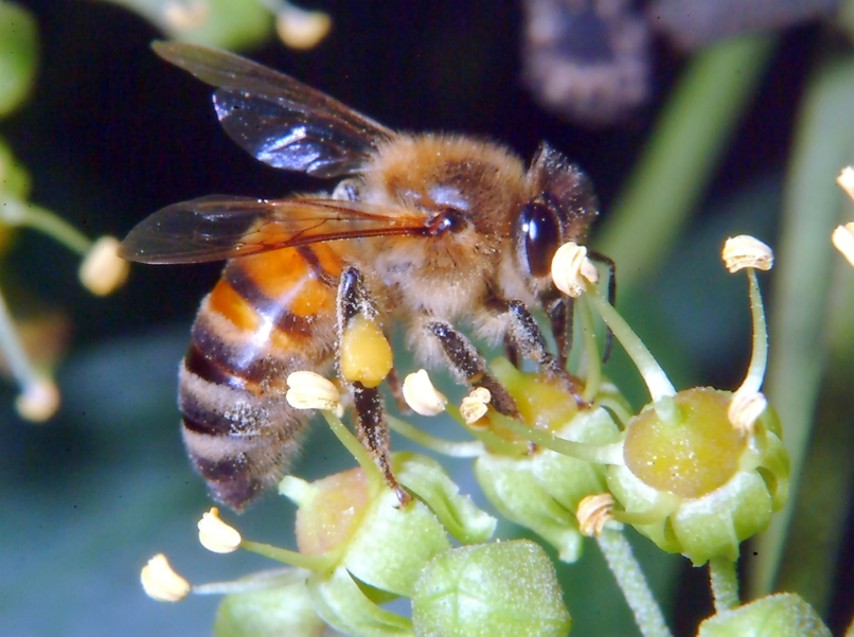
[527, 335]
[469, 365]
[371, 427]
[511, 351]
[559, 312]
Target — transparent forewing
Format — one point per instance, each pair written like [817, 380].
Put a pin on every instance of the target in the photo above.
[278, 119]
[220, 227]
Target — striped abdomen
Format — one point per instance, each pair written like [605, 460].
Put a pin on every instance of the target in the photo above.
[270, 314]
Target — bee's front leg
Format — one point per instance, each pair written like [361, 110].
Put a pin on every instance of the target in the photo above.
[355, 306]
[470, 367]
[526, 333]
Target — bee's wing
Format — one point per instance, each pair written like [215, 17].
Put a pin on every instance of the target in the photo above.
[220, 227]
[278, 119]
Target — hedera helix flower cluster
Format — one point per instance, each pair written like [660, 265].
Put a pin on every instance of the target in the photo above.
[696, 471]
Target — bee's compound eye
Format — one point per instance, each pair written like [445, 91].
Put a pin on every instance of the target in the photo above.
[540, 236]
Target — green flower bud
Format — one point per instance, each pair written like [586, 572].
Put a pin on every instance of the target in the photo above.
[490, 590]
[458, 514]
[344, 605]
[366, 530]
[271, 610]
[692, 482]
[783, 615]
[541, 491]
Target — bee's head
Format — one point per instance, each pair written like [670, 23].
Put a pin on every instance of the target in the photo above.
[560, 208]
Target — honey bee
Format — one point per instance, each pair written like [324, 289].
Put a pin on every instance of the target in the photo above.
[433, 232]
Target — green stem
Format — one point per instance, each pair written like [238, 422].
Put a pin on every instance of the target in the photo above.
[656, 380]
[631, 580]
[356, 449]
[593, 379]
[759, 358]
[17, 213]
[13, 350]
[440, 445]
[317, 563]
[724, 583]
[611, 454]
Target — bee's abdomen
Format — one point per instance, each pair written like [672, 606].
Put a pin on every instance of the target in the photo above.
[269, 315]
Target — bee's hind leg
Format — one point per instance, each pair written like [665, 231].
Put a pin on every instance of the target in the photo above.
[371, 427]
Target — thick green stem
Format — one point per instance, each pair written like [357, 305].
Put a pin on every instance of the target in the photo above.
[724, 583]
[631, 580]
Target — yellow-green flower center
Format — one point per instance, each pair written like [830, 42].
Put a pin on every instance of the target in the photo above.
[691, 453]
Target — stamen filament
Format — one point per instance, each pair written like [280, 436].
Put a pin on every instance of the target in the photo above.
[18, 213]
[13, 350]
[356, 449]
[451, 448]
[759, 357]
[591, 350]
[656, 380]
[609, 454]
[316, 563]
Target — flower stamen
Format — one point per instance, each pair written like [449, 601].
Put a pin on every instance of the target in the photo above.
[843, 240]
[846, 180]
[421, 396]
[102, 270]
[309, 390]
[474, 406]
[161, 582]
[217, 536]
[593, 513]
[572, 271]
[745, 409]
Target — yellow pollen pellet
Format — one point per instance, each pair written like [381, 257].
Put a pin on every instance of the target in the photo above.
[365, 353]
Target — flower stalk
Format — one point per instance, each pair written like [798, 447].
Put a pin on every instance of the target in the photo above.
[631, 580]
[724, 583]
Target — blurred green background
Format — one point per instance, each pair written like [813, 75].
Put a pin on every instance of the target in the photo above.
[743, 137]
